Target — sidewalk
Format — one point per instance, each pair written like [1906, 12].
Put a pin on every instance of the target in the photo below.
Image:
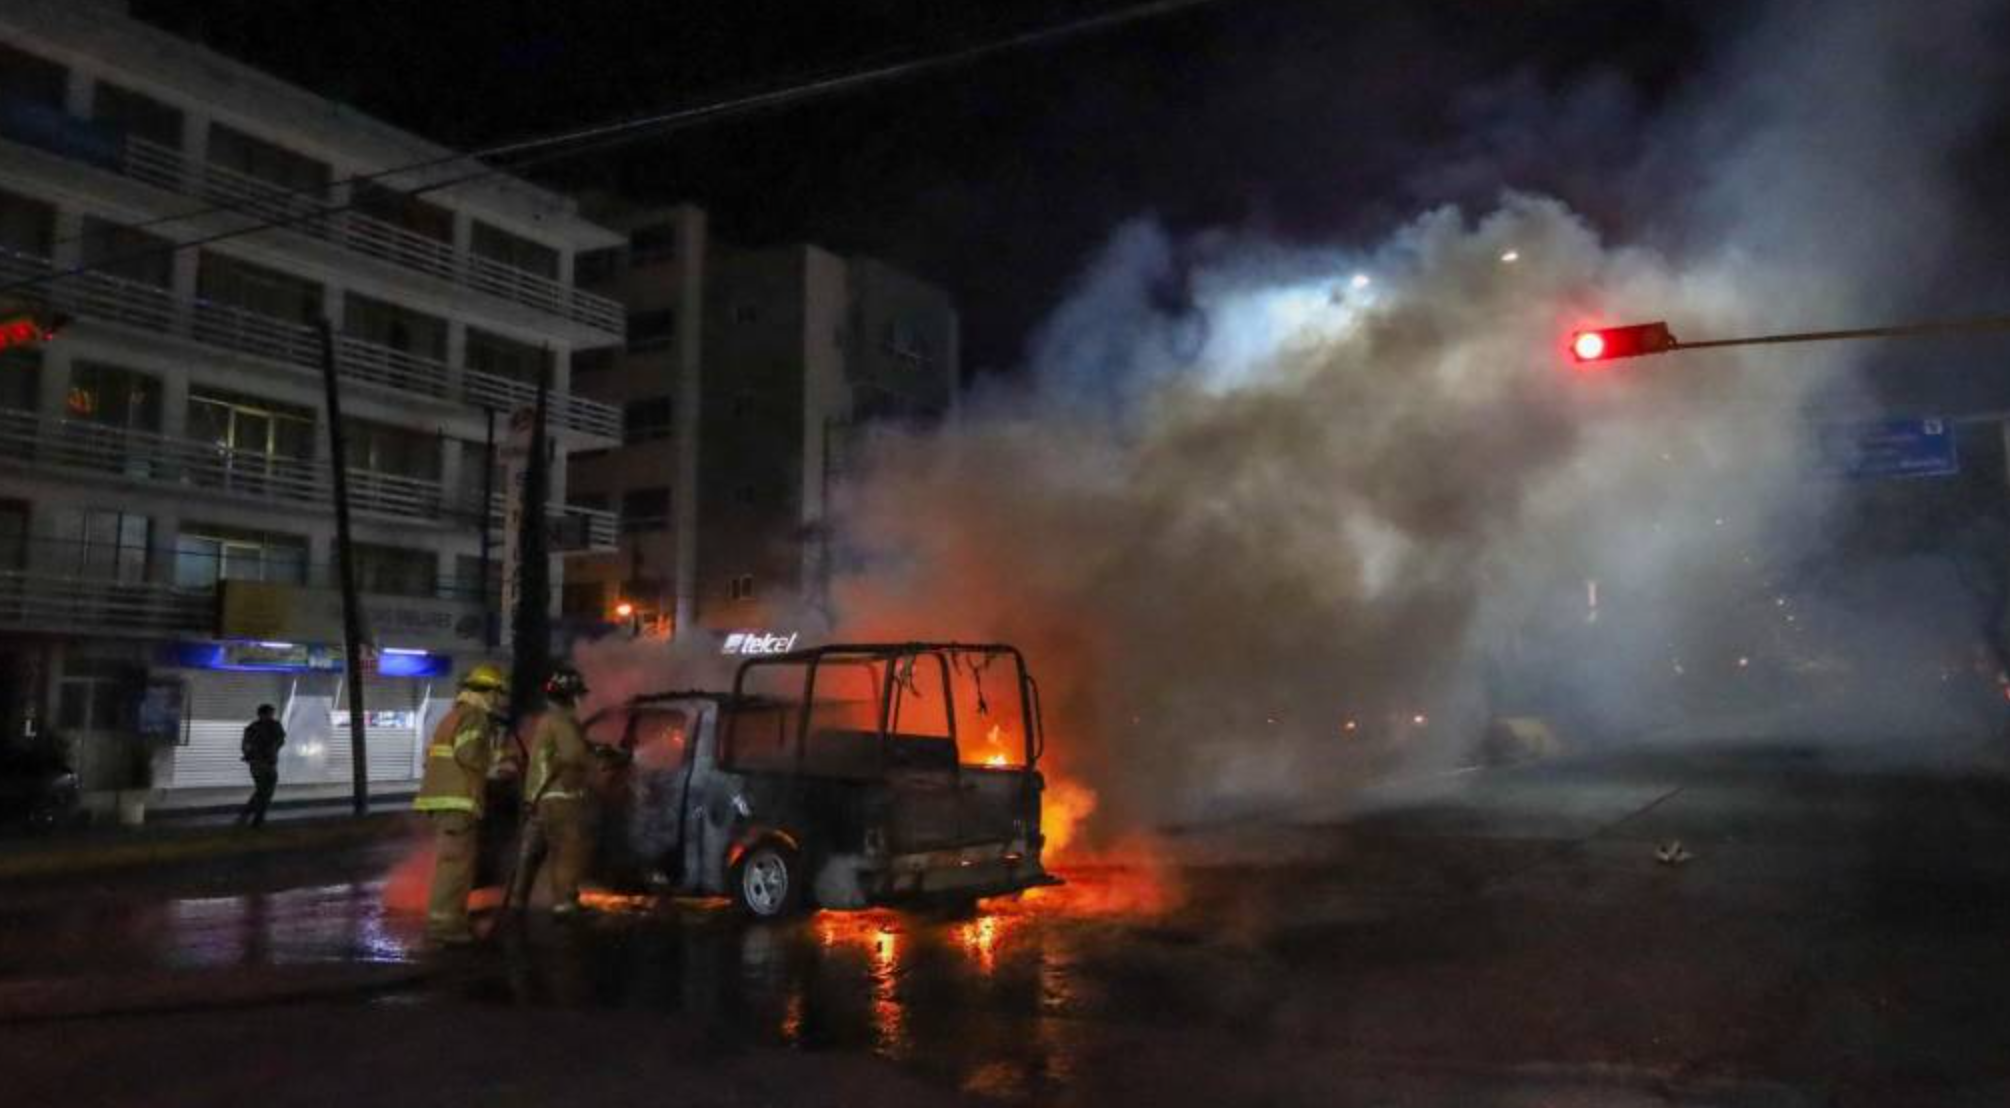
[196, 835]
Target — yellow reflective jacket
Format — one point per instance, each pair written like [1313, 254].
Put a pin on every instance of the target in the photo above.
[457, 762]
[559, 758]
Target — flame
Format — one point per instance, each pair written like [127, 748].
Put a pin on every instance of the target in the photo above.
[995, 761]
[1064, 804]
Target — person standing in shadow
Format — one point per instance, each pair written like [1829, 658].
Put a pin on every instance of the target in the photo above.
[262, 740]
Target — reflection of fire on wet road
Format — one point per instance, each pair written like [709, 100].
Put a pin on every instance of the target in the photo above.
[876, 934]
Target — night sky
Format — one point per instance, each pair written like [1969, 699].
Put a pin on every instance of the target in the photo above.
[1307, 118]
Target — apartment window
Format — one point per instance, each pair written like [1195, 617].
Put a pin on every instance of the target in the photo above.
[205, 553]
[645, 420]
[501, 357]
[589, 363]
[20, 379]
[746, 495]
[656, 242]
[250, 425]
[597, 267]
[394, 326]
[746, 313]
[645, 510]
[400, 209]
[468, 580]
[271, 163]
[396, 570]
[136, 116]
[584, 600]
[514, 251]
[98, 694]
[127, 252]
[13, 535]
[254, 288]
[27, 79]
[103, 544]
[110, 396]
[741, 587]
[26, 226]
[650, 329]
[400, 451]
[591, 501]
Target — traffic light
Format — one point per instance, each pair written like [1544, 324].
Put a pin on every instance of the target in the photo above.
[1606, 344]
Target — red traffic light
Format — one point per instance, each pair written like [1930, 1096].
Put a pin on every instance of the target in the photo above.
[1605, 344]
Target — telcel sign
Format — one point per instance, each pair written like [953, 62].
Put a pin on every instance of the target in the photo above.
[759, 642]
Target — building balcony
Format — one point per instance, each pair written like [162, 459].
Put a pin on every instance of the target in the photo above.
[77, 448]
[135, 158]
[105, 298]
[72, 605]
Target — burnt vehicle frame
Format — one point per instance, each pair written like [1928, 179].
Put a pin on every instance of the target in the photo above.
[784, 795]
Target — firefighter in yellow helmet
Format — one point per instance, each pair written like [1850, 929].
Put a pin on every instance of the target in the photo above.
[458, 760]
[556, 814]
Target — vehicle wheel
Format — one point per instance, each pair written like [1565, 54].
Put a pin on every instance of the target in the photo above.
[768, 882]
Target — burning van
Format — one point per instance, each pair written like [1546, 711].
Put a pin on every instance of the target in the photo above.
[833, 777]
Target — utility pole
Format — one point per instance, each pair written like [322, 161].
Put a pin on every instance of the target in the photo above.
[345, 567]
[489, 628]
[530, 624]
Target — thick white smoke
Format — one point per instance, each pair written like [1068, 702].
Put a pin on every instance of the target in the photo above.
[1262, 513]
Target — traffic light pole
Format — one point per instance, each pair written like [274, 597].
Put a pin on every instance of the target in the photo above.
[345, 567]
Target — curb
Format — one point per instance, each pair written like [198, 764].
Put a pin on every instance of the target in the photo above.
[57, 857]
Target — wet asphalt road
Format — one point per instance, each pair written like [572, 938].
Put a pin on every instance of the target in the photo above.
[1501, 937]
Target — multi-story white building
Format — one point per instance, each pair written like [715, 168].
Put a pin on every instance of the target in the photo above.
[166, 522]
[747, 377]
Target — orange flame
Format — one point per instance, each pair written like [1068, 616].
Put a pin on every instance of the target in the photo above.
[1064, 804]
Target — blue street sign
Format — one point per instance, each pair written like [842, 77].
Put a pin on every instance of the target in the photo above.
[1892, 448]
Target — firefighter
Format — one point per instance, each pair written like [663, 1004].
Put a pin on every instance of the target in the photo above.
[458, 760]
[555, 798]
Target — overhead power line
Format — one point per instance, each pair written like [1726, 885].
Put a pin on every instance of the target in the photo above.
[602, 136]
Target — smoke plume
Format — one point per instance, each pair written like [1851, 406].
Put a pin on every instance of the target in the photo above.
[1269, 517]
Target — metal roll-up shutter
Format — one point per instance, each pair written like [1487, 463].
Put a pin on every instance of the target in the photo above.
[392, 739]
[219, 707]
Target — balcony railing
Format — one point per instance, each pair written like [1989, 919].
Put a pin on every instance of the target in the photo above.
[57, 603]
[574, 529]
[101, 296]
[74, 446]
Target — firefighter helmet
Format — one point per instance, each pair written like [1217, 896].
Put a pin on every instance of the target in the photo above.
[485, 677]
[565, 683]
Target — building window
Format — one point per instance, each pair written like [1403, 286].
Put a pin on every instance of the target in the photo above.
[653, 328]
[592, 363]
[249, 427]
[746, 313]
[105, 545]
[232, 149]
[126, 252]
[654, 243]
[205, 553]
[468, 582]
[13, 535]
[20, 379]
[584, 600]
[590, 501]
[500, 357]
[254, 288]
[26, 226]
[396, 571]
[98, 694]
[741, 587]
[645, 420]
[110, 396]
[395, 326]
[645, 510]
[514, 251]
[399, 209]
[746, 495]
[134, 115]
[598, 267]
[398, 451]
[27, 79]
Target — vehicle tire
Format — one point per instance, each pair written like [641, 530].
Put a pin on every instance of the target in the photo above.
[768, 881]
